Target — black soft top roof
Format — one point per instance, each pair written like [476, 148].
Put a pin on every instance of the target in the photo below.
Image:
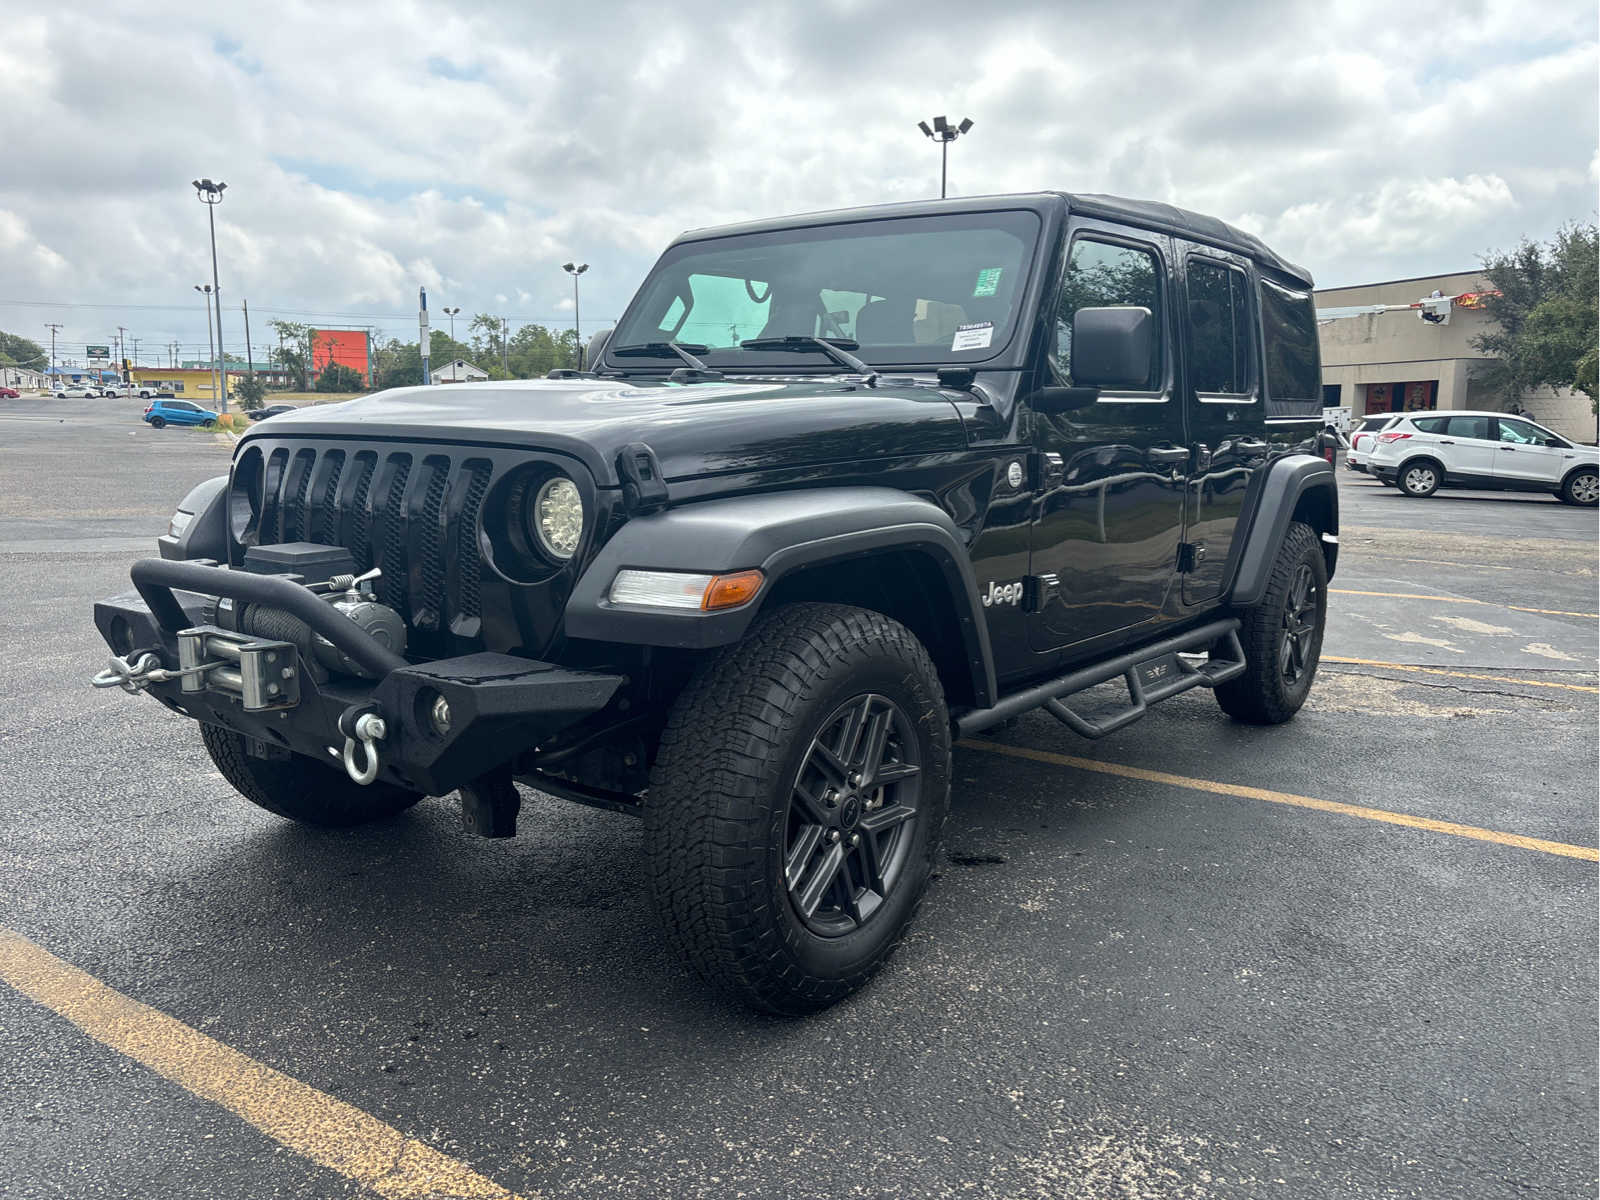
[1149, 214]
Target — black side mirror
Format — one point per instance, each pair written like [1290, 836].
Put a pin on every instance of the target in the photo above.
[1111, 347]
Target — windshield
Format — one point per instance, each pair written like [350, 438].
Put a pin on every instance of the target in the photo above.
[918, 290]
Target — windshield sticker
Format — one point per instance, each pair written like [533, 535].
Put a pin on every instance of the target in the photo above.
[988, 282]
[974, 336]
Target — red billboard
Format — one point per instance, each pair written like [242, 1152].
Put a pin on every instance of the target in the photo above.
[347, 347]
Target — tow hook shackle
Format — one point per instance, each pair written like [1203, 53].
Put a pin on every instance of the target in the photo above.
[366, 728]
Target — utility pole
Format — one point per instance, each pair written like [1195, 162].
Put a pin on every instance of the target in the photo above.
[122, 349]
[422, 329]
[249, 355]
[54, 329]
[505, 350]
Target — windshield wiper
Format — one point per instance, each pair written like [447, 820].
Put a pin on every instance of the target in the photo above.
[835, 348]
[663, 350]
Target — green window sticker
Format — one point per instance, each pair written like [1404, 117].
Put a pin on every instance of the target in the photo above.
[988, 282]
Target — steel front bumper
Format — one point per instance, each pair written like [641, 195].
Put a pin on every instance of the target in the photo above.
[495, 705]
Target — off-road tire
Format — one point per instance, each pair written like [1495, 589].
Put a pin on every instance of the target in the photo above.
[299, 788]
[1574, 484]
[158, 423]
[1419, 478]
[718, 816]
[1263, 695]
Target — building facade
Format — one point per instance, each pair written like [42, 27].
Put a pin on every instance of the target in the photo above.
[1377, 361]
[188, 382]
[458, 371]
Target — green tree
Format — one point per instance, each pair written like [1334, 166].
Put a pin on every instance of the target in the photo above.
[18, 351]
[336, 377]
[295, 355]
[1548, 315]
[250, 392]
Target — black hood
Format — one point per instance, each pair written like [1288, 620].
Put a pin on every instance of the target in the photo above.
[696, 429]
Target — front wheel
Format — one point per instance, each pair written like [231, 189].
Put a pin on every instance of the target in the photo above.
[208, 424]
[1282, 635]
[797, 804]
[1582, 488]
[302, 789]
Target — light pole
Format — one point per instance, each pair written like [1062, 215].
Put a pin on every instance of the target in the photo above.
[944, 133]
[451, 313]
[210, 194]
[577, 319]
[206, 292]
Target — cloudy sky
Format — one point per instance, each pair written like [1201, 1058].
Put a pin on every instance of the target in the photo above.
[473, 148]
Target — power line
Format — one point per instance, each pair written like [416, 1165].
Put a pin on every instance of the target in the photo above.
[295, 312]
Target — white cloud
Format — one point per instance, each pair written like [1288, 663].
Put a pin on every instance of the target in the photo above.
[375, 148]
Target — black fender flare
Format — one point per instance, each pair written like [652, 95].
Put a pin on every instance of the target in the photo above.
[1288, 480]
[206, 533]
[777, 533]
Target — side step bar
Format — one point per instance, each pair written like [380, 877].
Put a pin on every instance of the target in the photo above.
[1153, 673]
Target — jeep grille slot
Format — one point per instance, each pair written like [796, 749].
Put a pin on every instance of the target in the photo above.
[415, 516]
[392, 587]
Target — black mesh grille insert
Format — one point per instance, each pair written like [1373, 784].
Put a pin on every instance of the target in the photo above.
[431, 536]
[360, 537]
[328, 524]
[393, 585]
[467, 536]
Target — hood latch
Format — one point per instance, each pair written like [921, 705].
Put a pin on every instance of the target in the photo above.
[643, 487]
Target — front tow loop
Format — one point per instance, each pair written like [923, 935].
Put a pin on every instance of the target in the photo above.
[370, 729]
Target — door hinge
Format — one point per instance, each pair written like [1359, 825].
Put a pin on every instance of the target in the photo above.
[1038, 591]
[1190, 556]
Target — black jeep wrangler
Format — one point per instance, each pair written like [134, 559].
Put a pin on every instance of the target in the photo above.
[837, 490]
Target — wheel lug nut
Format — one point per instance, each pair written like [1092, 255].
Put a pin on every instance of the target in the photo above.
[833, 836]
[855, 839]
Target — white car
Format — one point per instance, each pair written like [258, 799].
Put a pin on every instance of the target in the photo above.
[113, 389]
[75, 391]
[1421, 452]
[1363, 437]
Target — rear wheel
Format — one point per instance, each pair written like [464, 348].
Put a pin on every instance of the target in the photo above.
[1582, 487]
[1420, 479]
[1282, 635]
[299, 788]
[158, 423]
[797, 803]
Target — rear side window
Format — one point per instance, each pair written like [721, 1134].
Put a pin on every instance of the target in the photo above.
[1429, 424]
[1108, 275]
[1219, 330]
[1294, 367]
[1468, 427]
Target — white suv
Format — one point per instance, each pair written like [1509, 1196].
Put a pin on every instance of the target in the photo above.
[1421, 452]
[1364, 437]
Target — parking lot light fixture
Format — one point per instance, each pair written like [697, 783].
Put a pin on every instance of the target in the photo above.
[210, 194]
[577, 320]
[944, 133]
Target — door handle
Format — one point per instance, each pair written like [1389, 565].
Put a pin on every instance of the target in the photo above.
[1446, 442]
[1161, 454]
[1509, 449]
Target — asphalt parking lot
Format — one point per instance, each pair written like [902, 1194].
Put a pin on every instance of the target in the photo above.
[1353, 956]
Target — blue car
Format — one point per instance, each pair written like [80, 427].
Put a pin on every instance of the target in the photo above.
[178, 412]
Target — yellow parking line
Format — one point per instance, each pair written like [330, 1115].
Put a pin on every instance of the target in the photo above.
[329, 1132]
[1370, 662]
[1566, 850]
[1549, 612]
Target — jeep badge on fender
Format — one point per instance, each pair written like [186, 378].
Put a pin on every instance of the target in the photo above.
[727, 580]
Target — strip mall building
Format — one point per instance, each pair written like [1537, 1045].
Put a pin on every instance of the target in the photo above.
[1396, 361]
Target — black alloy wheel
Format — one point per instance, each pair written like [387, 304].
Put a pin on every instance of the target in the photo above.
[852, 815]
[1299, 625]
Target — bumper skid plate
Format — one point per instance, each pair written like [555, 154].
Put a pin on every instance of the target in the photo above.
[444, 723]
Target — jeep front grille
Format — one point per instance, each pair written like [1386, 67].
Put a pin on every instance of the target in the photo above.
[415, 515]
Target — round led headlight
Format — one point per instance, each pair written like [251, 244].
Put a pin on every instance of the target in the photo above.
[557, 517]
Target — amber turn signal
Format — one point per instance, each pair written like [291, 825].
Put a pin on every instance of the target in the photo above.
[730, 591]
